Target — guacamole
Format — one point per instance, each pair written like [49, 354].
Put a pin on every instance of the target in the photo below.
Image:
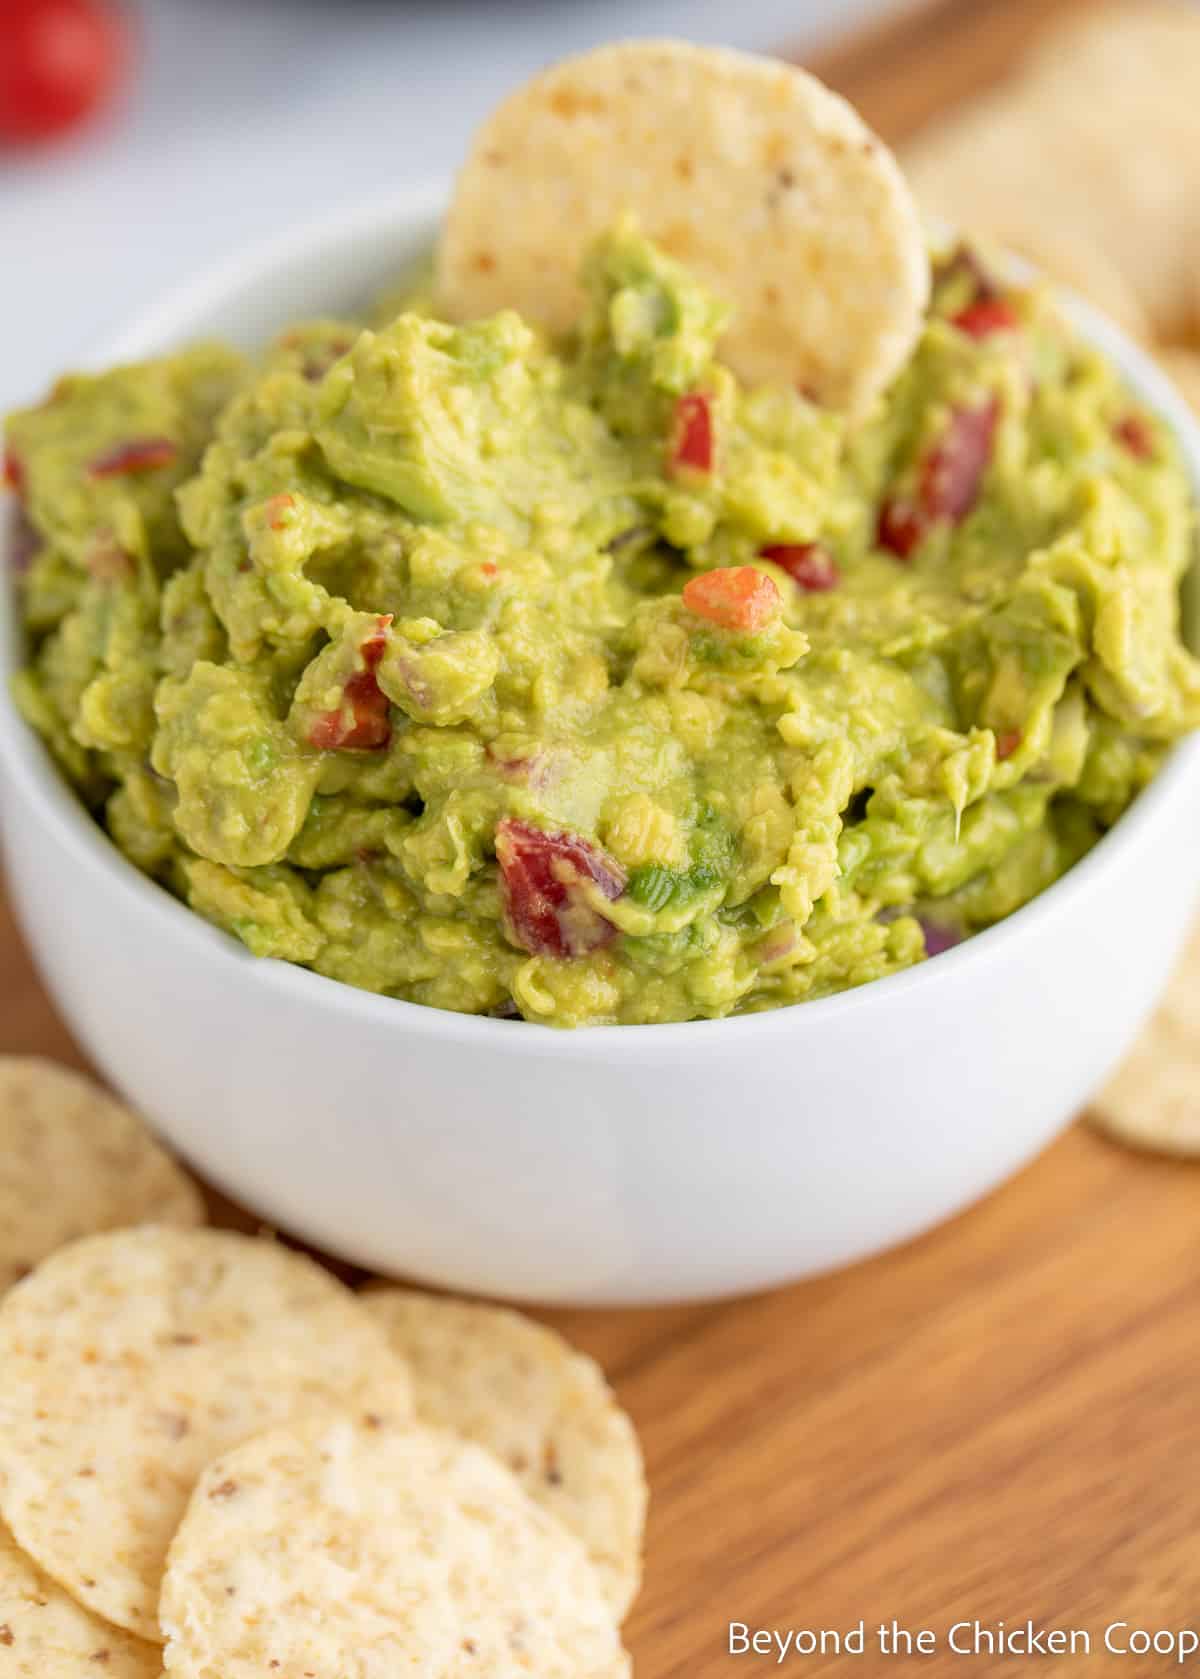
[570, 680]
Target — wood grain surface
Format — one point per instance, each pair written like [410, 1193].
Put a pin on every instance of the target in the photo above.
[997, 1422]
[930, 55]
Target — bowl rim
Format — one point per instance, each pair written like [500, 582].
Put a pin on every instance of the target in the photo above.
[31, 774]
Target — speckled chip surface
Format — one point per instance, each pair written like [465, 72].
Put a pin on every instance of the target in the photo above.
[45, 1634]
[129, 1361]
[515, 1387]
[766, 184]
[74, 1161]
[348, 1551]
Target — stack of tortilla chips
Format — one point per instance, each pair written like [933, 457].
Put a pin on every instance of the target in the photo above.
[218, 1461]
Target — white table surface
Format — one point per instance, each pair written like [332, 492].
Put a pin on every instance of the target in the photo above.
[247, 115]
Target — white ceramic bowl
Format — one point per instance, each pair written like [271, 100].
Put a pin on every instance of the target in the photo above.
[619, 1165]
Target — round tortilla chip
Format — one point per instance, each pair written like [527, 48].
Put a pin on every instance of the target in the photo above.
[1153, 1102]
[131, 1360]
[984, 174]
[50, 1636]
[1122, 190]
[73, 1161]
[1147, 57]
[346, 1551]
[515, 1387]
[766, 184]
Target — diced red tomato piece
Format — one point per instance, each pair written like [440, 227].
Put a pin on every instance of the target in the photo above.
[901, 526]
[985, 316]
[375, 644]
[372, 727]
[277, 510]
[953, 470]
[1007, 742]
[14, 473]
[542, 875]
[140, 454]
[368, 727]
[809, 564]
[693, 444]
[948, 480]
[733, 597]
[1133, 433]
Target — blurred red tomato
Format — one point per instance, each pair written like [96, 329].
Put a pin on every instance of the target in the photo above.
[59, 61]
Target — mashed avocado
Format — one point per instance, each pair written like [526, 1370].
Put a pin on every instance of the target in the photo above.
[574, 681]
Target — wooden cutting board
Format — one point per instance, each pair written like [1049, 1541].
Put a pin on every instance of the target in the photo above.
[996, 1422]
[927, 56]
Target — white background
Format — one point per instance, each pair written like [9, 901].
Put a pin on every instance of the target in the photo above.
[247, 115]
